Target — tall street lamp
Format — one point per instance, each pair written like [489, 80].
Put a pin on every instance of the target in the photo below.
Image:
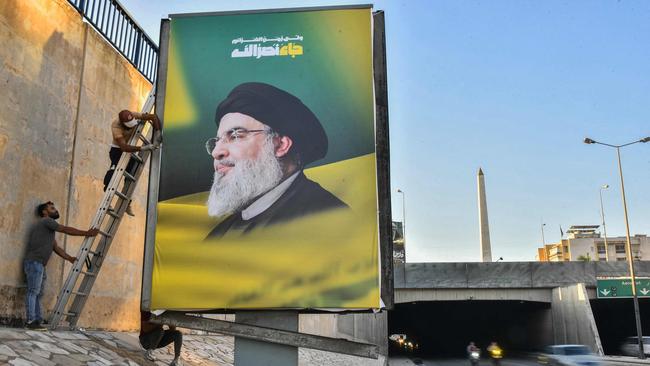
[628, 246]
[602, 216]
[403, 215]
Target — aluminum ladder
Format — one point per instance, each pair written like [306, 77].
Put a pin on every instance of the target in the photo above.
[107, 218]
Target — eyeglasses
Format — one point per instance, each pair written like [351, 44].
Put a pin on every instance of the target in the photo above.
[230, 136]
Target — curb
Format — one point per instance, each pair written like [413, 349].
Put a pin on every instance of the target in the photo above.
[626, 360]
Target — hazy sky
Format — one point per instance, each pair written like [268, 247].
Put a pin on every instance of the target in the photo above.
[512, 87]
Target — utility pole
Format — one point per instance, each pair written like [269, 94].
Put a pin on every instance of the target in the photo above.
[628, 246]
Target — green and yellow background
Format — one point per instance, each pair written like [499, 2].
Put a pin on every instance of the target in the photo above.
[328, 260]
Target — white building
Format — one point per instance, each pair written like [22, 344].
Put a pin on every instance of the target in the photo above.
[584, 242]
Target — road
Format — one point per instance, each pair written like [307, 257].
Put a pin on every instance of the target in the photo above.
[404, 361]
[464, 362]
[401, 361]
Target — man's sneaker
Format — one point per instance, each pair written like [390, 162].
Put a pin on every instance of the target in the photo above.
[148, 354]
[176, 362]
[129, 211]
[35, 325]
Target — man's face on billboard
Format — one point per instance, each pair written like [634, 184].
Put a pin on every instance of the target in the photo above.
[246, 163]
[245, 147]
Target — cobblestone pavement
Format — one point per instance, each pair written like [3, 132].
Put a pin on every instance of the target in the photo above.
[21, 347]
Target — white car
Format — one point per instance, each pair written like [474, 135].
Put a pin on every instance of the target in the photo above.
[569, 355]
[630, 346]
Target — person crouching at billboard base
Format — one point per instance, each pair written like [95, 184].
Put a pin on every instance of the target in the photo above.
[153, 336]
[265, 137]
[41, 243]
[122, 129]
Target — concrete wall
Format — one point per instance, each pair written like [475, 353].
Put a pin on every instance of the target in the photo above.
[364, 327]
[403, 296]
[499, 275]
[573, 320]
[61, 86]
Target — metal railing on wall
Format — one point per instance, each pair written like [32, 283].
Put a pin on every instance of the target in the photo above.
[118, 27]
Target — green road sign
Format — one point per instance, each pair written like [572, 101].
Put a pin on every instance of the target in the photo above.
[622, 288]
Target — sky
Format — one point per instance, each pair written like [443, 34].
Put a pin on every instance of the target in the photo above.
[512, 87]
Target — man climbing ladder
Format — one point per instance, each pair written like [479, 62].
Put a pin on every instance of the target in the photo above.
[133, 147]
[122, 129]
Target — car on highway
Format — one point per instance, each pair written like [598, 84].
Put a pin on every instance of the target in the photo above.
[568, 355]
[630, 346]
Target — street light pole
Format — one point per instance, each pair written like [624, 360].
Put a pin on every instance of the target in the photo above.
[628, 245]
[403, 216]
[602, 215]
[630, 260]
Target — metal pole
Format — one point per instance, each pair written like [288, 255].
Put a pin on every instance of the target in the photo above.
[403, 218]
[602, 215]
[404, 221]
[543, 239]
[637, 313]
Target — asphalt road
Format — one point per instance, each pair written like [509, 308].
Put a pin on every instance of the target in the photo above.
[401, 361]
[465, 362]
[404, 361]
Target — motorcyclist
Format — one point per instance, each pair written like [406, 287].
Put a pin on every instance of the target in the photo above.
[496, 353]
[473, 353]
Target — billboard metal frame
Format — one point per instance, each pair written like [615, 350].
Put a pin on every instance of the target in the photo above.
[381, 146]
[274, 10]
[269, 335]
[154, 169]
[382, 149]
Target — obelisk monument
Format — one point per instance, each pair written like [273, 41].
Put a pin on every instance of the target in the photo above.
[484, 225]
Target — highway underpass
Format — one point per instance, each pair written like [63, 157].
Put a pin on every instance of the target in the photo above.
[524, 305]
[615, 321]
[444, 328]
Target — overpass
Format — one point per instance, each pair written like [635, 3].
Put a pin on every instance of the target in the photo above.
[522, 304]
[527, 281]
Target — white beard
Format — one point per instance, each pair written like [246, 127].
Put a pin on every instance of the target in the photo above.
[246, 180]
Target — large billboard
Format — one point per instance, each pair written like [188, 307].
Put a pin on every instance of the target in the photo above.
[267, 194]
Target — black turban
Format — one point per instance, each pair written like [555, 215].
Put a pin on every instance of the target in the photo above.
[283, 112]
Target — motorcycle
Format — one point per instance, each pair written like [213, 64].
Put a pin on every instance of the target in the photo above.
[496, 354]
[474, 357]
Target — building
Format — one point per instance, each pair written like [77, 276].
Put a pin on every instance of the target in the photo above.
[542, 255]
[585, 243]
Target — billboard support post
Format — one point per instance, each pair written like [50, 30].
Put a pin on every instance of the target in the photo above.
[154, 171]
[264, 334]
[383, 159]
[250, 352]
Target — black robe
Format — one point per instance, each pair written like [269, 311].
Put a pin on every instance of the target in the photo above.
[302, 198]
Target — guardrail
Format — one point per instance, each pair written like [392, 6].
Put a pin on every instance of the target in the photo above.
[118, 27]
